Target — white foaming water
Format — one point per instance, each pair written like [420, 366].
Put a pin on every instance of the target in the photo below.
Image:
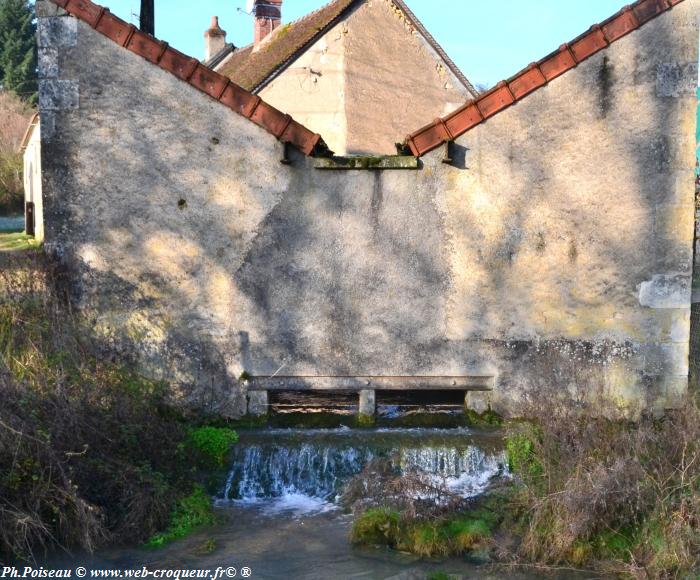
[286, 471]
[295, 504]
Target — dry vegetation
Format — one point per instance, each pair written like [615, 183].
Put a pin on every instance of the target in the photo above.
[15, 115]
[89, 451]
[621, 499]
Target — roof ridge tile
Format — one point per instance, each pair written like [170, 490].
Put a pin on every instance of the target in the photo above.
[537, 75]
[200, 77]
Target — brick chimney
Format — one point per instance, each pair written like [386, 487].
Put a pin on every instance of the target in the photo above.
[214, 39]
[268, 16]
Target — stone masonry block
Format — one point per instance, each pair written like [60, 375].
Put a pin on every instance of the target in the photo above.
[666, 291]
[258, 402]
[57, 32]
[58, 95]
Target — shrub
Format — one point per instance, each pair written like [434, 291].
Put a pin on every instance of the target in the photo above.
[89, 451]
[620, 497]
[213, 442]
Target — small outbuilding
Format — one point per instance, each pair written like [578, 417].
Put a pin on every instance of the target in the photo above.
[33, 206]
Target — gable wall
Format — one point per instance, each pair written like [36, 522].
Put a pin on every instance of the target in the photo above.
[395, 81]
[312, 88]
[367, 82]
[554, 255]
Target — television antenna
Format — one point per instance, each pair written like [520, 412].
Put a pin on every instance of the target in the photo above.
[249, 7]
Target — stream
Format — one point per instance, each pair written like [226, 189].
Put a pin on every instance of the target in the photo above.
[280, 514]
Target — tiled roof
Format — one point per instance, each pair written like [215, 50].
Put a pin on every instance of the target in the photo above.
[253, 69]
[537, 75]
[191, 71]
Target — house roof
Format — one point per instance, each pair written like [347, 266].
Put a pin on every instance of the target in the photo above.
[191, 71]
[254, 69]
[537, 75]
[33, 124]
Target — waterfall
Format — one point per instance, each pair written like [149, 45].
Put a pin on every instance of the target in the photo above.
[317, 464]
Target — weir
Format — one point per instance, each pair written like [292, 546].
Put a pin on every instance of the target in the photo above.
[301, 468]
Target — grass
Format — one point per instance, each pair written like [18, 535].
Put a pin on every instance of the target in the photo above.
[17, 241]
[192, 512]
[377, 526]
[452, 535]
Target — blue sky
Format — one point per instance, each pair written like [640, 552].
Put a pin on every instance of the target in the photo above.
[488, 40]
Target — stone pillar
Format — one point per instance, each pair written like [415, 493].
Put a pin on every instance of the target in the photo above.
[477, 401]
[258, 402]
[368, 403]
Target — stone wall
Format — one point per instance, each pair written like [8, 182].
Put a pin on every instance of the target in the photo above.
[554, 254]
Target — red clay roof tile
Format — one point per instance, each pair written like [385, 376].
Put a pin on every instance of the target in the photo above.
[253, 69]
[538, 74]
[190, 70]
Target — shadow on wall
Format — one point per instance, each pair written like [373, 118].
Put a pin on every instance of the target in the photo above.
[214, 259]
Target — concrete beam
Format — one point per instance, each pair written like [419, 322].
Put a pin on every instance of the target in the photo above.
[320, 383]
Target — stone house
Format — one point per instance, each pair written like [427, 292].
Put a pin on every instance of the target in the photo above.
[538, 240]
[362, 73]
[30, 148]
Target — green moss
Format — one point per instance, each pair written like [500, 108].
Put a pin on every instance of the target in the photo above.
[486, 419]
[192, 512]
[365, 420]
[378, 526]
[438, 576]
[467, 534]
[213, 442]
[520, 450]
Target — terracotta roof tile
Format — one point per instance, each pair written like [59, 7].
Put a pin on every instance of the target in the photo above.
[191, 71]
[253, 69]
[506, 93]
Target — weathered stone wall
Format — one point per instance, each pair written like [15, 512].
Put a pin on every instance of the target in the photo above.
[367, 82]
[554, 254]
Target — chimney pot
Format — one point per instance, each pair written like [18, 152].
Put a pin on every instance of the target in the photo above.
[268, 17]
[214, 39]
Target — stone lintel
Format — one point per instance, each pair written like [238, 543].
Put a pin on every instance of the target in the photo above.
[319, 383]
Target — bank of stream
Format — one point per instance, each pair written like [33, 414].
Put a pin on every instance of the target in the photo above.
[280, 514]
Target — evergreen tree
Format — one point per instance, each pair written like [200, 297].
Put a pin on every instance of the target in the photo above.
[18, 54]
